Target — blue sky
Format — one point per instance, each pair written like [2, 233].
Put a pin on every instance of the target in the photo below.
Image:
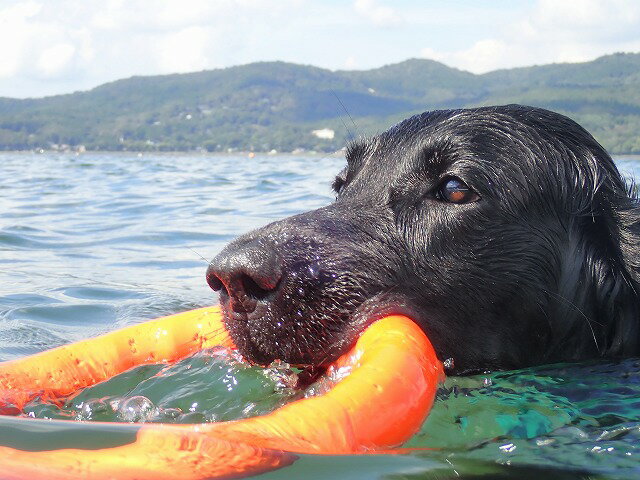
[59, 46]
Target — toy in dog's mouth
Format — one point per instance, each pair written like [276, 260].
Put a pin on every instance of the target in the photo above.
[391, 385]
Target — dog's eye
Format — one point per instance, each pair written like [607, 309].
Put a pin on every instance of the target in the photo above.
[454, 190]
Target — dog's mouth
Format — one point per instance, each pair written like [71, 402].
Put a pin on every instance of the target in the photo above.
[241, 322]
[264, 336]
[310, 341]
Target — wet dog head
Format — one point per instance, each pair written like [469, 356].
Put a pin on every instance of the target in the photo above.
[506, 232]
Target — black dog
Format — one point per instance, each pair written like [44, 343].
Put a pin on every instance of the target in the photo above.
[506, 232]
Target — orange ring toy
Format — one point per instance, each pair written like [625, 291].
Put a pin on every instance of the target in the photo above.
[381, 404]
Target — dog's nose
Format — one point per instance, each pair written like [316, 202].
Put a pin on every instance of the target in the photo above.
[245, 275]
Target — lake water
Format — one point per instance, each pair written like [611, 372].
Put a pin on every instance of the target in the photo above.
[94, 242]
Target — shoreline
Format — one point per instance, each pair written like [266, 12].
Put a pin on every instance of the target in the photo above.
[192, 153]
[240, 153]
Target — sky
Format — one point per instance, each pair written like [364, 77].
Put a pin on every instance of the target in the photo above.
[51, 47]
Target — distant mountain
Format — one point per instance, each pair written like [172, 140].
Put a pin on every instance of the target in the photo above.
[276, 105]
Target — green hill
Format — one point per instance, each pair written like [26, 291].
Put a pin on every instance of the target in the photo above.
[277, 105]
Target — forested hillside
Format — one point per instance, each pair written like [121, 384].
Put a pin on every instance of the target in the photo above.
[276, 105]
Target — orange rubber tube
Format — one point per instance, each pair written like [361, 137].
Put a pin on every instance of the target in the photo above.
[62, 371]
[381, 404]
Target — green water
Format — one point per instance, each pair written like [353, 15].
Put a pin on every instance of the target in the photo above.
[570, 419]
[582, 417]
[211, 386]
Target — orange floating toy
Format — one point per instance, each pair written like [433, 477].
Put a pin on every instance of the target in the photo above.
[381, 404]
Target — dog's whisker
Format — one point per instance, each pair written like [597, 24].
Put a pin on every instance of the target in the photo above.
[351, 136]
[557, 296]
[90, 281]
[200, 256]
[205, 335]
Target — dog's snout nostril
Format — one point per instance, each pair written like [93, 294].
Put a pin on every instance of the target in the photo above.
[253, 290]
[215, 283]
[246, 275]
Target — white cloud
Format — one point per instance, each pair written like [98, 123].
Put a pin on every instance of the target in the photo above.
[378, 14]
[65, 44]
[184, 51]
[586, 15]
[55, 59]
[552, 31]
[350, 62]
[14, 35]
[59, 46]
[485, 55]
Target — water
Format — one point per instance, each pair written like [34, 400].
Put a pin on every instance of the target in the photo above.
[214, 385]
[94, 242]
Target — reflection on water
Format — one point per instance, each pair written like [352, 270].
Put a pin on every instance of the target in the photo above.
[95, 242]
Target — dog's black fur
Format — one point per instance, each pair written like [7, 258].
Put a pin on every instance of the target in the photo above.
[537, 262]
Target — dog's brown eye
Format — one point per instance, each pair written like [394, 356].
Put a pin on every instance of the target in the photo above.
[454, 190]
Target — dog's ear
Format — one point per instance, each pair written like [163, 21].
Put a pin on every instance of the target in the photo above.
[629, 227]
[617, 276]
[600, 274]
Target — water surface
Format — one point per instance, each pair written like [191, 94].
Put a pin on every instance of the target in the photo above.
[94, 242]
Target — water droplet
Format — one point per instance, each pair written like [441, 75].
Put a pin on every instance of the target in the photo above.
[91, 408]
[508, 448]
[543, 442]
[192, 417]
[314, 270]
[166, 414]
[135, 409]
[281, 373]
[247, 410]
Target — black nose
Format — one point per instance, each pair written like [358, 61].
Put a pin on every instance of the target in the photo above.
[245, 274]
